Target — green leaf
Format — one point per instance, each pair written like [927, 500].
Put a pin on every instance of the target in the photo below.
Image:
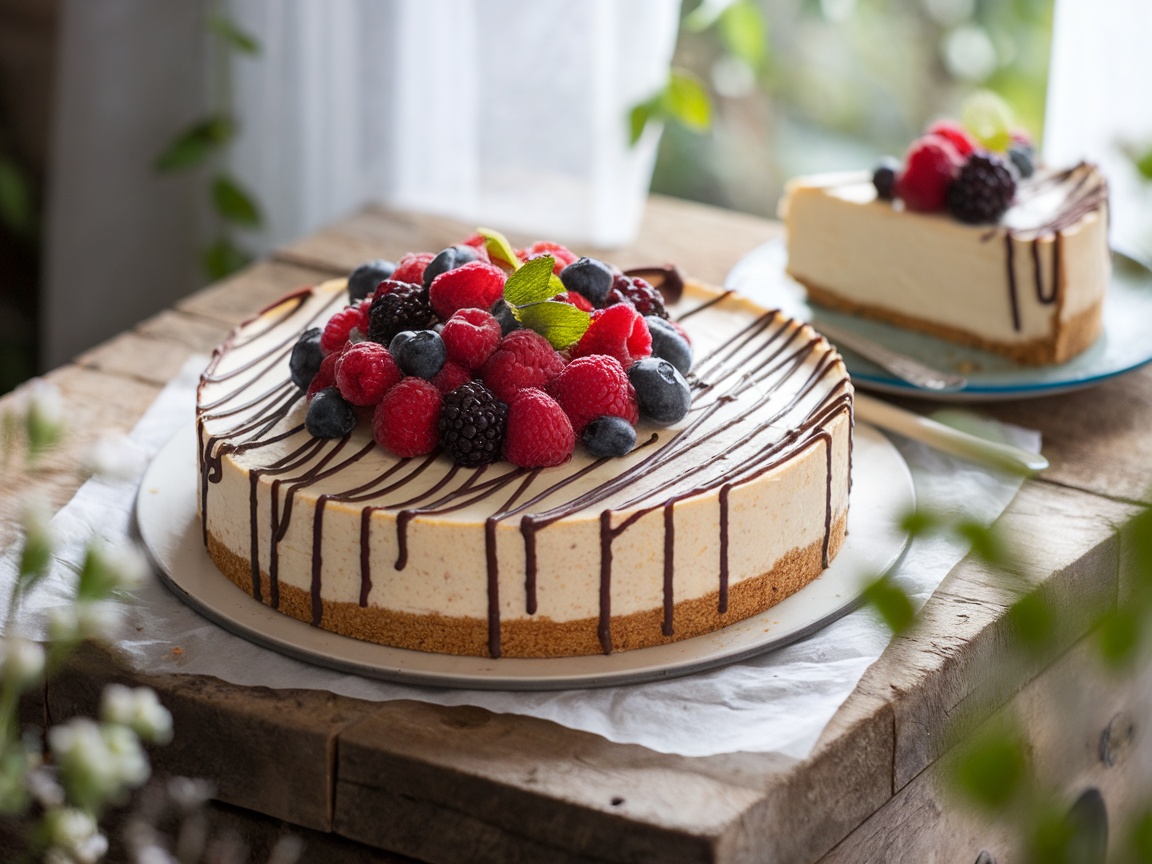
[193, 146]
[1033, 620]
[992, 768]
[919, 522]
[233, 35]
[223, 258]
[34, 558]
[745, 32]
[234, 204]
[686, 100]
[987, 544]
[892, 604]
[1137, 537]
[638, 119]
[16, 209]
[562, 324]
[704, 15]
[1141, 836]
[1119, 635]
[531, 283]
[1144, 164]
[499, 249]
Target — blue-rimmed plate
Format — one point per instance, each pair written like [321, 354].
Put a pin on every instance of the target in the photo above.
[1125, 344]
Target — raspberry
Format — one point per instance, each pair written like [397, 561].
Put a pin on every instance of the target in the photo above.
[406, 419]
[983, 190]
[451, 376]
[404, 307]
[471, 335]
[476, 285]
[539, 433]
[410, 268]
[638, 292]
[594, 385]
[575, 299]
[523, 359]
[964, 143]
[561, 254]
[365, 372]
[339, 328]
[618, 331]
[929, 168]
[472, 424]
[325, 376]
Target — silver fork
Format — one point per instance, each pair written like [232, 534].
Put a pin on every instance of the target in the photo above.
[900, 365]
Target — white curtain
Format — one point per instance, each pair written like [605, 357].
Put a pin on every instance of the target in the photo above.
[504, 112]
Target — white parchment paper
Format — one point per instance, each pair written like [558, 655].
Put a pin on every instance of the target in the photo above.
[779, 702]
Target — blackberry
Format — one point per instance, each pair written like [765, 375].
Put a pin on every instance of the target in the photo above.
[884, 178]
[638, 292]
[472, 424]
[982, 190]
[405, 307]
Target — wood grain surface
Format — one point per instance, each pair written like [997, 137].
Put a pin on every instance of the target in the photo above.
[462, 784]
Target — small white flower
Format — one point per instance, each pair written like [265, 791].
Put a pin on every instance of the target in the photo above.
[98, 619]
[74, 837]
[45, 415]
[139, 709]
[112, 457]
[21, 661]
[112, 568]
[97, 762]
[44, 788]
[132, 767]
[36, 517]
[62, 624]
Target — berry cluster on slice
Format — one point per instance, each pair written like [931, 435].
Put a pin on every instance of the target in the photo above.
[950, 168]
[488, 352]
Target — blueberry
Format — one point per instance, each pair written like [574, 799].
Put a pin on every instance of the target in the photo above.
[1022, 157]
[668, 344]
[306, 358]
[363, 280]
[418, 352]
[449, 259]
[609, 436]
[884, 178]
[590, 277]
[329, 415]
[502, 312]
[661, 391]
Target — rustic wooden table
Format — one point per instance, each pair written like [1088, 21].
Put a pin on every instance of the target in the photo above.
[462, 784]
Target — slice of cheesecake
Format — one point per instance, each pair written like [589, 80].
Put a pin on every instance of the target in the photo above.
[1030, 286]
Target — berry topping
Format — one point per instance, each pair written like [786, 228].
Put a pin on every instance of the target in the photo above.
[523, 359]
[561, 255]
[930, 166]
[661, 391]
[609, 436]
[539, 433]
[1023, 157]
[471, 335]
[504, 316]
[449, 259]
[306, 358]
[329, 415]
[325, 376]
[668, 343]
[591, 386]
[403, 307]
[406, 419]
[619, 331]
[589, 277]
[475, 285]
[365, 372]
[419, 352]
[956, 134]
[472, 423]
[410, 268]
[639, 292]
[450, 377]
[578, 300]
[363, 280]
[884, 178]
[339, 328]
[983, 190]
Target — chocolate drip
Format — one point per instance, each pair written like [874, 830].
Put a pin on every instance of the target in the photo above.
[604, 628]
[317, 559]
[1009, 255]
[669, 566]
[668, 280]
[493, 587]
[707, 304]
[722, 605]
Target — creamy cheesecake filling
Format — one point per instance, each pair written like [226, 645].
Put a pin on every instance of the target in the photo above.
[1031, 287]
[754, 477]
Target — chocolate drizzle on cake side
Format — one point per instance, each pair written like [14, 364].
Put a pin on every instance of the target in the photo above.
[765, 395]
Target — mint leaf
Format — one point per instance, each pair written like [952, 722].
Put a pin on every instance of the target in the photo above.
[531, 283]
[233, 203]
[562, 324]
[499, 249]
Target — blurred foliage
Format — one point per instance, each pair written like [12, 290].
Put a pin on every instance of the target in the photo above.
[799, 86]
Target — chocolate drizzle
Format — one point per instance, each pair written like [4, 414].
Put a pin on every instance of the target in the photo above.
[760, 399]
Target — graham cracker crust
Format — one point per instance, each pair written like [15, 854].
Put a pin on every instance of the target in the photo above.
[541, 636]
[1069, 338]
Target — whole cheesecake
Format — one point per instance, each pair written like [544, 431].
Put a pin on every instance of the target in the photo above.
[1030, 285]
[703, 523]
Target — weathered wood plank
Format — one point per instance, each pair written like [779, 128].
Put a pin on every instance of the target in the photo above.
[140, 358]
[239, 297]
